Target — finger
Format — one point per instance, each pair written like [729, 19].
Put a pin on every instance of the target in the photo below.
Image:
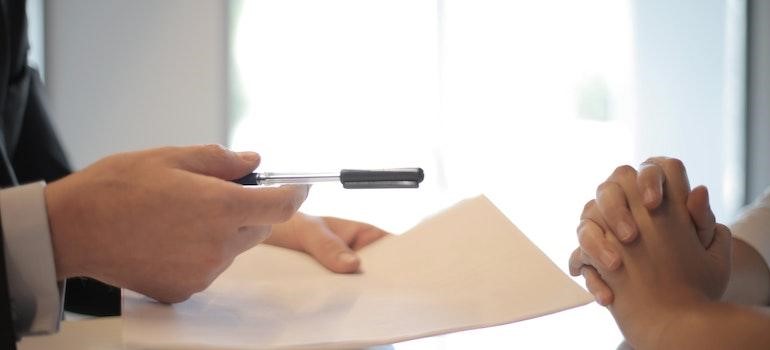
[677, 185]
[356, 234]
[214, 160]
[267, 205]
[591, 212]
[576, 262]
[722, 252]
[650, 181]
[626, 179]
[701, 214]
[613, 206]
[721, 246]
[595, 248]
[596, 286]
[330, 250]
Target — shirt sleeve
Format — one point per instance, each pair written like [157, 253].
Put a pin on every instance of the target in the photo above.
[36, 299]
[753, 226]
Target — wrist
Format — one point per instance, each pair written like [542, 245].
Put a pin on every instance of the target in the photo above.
[63, 226]
[649, 323]
[671, 324]
[702, 320]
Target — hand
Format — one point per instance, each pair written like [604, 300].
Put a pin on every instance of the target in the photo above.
[163, 222]
[666, 271]
[329, 240]
[609, 214]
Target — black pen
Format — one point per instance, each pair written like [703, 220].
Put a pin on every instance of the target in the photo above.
[381, 178]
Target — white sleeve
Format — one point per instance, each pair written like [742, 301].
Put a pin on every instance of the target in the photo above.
[753, 226]
[36, 300]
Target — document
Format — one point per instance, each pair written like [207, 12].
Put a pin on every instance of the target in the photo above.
[466, 267]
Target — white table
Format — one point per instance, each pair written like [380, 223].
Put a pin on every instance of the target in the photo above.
[587, 327]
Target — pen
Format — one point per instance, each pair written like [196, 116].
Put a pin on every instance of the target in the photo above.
[381, 178]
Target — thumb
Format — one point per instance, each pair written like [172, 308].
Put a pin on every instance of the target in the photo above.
[721, 246]
[216, 161]
[331, 251]
[721, 251]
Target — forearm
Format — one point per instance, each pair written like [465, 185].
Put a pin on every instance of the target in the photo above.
[716, 325]
[749, 279]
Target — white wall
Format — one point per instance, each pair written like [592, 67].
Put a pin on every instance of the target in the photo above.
[688, 74]
[130, 74]
[758, 166]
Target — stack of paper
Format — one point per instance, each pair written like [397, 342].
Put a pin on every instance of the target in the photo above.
[467, 267]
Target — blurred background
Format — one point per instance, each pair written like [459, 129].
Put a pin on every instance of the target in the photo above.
[532, 103]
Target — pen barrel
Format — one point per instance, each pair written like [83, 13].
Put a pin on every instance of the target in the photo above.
[268, 179]
[387, 178]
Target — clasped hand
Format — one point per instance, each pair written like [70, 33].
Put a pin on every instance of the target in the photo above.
[650, 248]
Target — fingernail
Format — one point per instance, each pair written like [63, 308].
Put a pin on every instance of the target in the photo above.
[248, 156]
[608, 258]
[625, 231]
[649, 196]
[347, 258]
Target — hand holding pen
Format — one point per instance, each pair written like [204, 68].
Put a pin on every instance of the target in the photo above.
[351, 179]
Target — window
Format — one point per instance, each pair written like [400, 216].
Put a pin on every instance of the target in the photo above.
[35, 31]
[530, 102]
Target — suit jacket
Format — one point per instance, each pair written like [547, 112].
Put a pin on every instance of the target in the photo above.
[31, 151]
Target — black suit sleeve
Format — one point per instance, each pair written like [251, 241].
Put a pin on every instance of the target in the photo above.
[39, 155]
[30, 151]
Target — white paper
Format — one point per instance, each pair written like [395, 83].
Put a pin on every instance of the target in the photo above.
[467, 267]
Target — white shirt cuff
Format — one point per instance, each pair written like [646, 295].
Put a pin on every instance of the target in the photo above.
[753, 226]
[36, 301]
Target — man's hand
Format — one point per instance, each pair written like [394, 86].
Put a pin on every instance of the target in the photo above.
[163, 222]
[609, 214]
[329, 240]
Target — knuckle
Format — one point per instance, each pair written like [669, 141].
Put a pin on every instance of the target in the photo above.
[653, 160]
[164, 152]
[229, 206]
[328, 245]
[605, 187]
[624, 171]
[287, 210]
[650, 172]
[589, 206]
[216, 150]
[674, 165]
[586, 235]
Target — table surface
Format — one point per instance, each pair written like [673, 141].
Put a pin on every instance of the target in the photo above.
[586, 327]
